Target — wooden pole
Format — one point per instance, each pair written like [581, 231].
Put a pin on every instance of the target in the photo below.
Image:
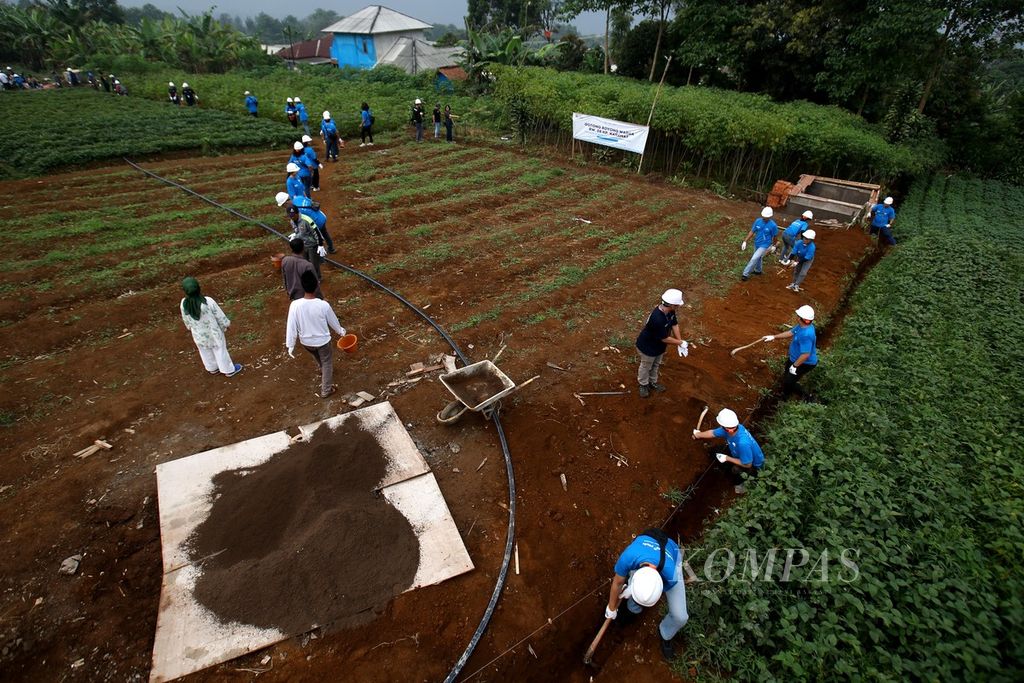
[650, 117]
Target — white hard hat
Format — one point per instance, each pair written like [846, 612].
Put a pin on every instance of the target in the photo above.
[184, 85]
[805, 312]
[297, 99]
[767, 212]
[281, 198]
[288, 100]
[808, 215]
[810, 234]
[417, 101]
[117, 82]
[327, 116]
[297, 146]
[292, 168]
[888, 201]
[246, 92]
[728, 419]
[645, 586]
[171, 83]
[306, 138]
[673, 297]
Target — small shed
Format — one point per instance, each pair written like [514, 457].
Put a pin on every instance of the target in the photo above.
[362, 39]
[446, 76]
[315, 51]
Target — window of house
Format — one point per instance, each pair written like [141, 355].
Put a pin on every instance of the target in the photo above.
[365, 49]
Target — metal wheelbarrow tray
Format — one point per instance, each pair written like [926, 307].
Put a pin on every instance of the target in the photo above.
[478, 387]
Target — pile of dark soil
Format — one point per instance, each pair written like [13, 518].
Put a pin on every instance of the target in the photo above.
[302, 540]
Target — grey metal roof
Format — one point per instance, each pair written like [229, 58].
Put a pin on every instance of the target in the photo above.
[415, 56]
[376, 19]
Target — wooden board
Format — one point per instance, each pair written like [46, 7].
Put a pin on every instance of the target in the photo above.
[188, 636]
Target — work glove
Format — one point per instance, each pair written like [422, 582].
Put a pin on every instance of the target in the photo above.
[610, 613]
[291, 351]
[720, 457]
[291, 237]
[321, 252]
[792, 370]
[320, 165]
[743, 247]
[772, 249]
[695, 433]
[684, 349]
[769, 337]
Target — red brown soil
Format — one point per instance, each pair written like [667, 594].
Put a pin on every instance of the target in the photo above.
[306, 531]
[88, 367]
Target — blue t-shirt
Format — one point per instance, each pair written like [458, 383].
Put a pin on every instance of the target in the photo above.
[305, 207]
[366, 114]
[311, 158]
[805, 340]
[883, 215]
[742, 446]
[645, 549]
[289, 109]
[294, 187]
[329, 130]
[659, 325]
[250, 103]
[301, 108]
[795, 228]
[764, 230]
[302, 161]
[804, 251]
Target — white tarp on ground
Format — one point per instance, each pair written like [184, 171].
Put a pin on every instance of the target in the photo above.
[416, 56]
[609, 132]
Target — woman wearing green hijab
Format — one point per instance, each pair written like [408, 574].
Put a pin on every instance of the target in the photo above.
[203, 317]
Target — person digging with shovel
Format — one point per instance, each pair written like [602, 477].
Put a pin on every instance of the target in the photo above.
[746, 455]
[803, 352]
[649, 567]
[660, 332]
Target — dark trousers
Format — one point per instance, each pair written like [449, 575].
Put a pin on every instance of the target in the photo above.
[885, 233]
[316, 177]
[448, 130]
[332, 148]
[324, 356]
[307, 181]
[327, 237]
[791, 382]
[366, 131]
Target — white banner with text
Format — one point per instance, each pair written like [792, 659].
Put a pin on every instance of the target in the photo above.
[609, 132]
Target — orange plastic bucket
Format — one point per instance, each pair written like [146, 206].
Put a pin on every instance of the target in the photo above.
[348, 343]
[276, 260]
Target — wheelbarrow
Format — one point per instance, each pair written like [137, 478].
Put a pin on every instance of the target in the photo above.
[479, 387]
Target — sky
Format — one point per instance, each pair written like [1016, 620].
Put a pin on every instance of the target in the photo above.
[433, 12]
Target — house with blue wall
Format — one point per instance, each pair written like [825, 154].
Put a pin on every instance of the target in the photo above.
[361, 39]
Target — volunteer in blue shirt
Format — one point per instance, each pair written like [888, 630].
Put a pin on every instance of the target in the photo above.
[649, 567]
[251, 103]
[763, 232]
[365, 125]
[300, 159]
[307, 207]
[291, 113]
[882, 216]
[745, 453]
[803, 255]
[803, 352]
[313, 161]
[791, 234]
[292, 184]
[329, 132]
[300, 109]
[660, 332]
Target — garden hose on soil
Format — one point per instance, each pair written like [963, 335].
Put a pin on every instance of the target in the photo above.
[510, 534]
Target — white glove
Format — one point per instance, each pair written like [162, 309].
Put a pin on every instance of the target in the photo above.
[320, 165]
[772, 249]
[321, 252]
[343, 332]
[695, 433]
[291, 237]
[743, 247]
[684, 348]
[768, 338]
[291, 351]
[792, 369]
[610, 613]
[721, 457]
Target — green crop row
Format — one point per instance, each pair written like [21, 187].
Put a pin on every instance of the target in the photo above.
[87, 126]
[730, 136]
[911, 471]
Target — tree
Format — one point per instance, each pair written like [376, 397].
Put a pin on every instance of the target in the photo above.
[658, 9]
[572, 8]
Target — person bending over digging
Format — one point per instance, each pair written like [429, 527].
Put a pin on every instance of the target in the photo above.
[649, 567]
[310, 321]
[803, 352]
[746, 456]
[660, 332]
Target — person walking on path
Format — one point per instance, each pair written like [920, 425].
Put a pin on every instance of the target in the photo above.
[291, 113]
[763, 233]
[300, 109]
[437, 121]
[203, 317]
[300, 159]
[649, 567]
[882, 216]
[312, 161]
[292, 184]
[660, 331]
[251, 103]
[803, 352]
[293, 266]
[449, 123]
[746, 455]
[310, 321]
[417, 119]
[172, 94]
[308, 207]
[189, 95]
[791, 234]
[329, 132]
[366, 122]
[305, 229]
[803, 254]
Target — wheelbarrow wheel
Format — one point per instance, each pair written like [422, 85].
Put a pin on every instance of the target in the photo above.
[451, 413]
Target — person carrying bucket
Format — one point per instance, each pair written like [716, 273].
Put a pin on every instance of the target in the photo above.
[310, 321]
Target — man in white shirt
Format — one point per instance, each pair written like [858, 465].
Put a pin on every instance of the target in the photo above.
[310, 320]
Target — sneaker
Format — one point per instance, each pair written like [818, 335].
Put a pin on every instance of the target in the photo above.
[792, 264]
[362, 144]
[214, 372]
[645, 391]
[668, 652]
[744, 277]
[658, 387]
[330, 392]
[369, 144]
[789, 286]
[238, 369]
[784, 262]
[797, 289]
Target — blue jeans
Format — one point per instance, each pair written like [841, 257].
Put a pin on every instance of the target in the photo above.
[801, 272]
[885, 232]
[437, 129]
[305, 127]
[787, 247]
[332, 148]
[754, 265]
[676, 598]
